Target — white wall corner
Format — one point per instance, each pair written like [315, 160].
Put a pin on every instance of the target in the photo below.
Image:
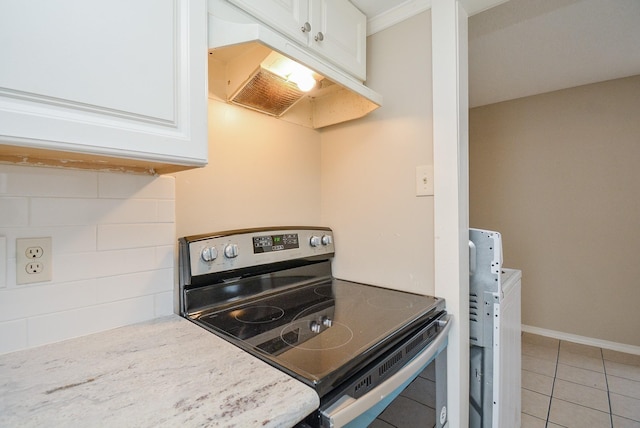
[396, 15]
[451, 187]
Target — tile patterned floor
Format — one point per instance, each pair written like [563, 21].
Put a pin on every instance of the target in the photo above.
[564, 384]
[414, 407]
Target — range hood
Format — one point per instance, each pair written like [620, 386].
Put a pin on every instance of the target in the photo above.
[245, 63]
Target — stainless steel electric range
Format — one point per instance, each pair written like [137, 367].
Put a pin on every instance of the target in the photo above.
[271, 292]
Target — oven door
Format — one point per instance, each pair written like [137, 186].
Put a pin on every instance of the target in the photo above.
[350, 412]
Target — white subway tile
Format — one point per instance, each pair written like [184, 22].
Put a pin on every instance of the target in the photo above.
[64, 211]
[164, 304]
[71, 239]
[69, 267]
[131, 211]
[98, 264]
[166, 211]
[119, 262]
[119, 236]
[12, 302]
[124, 186]
[79, 322]
[113, 240]
[165, 257]
[134, 285]
[11, 269]
[14, 212]
[14, 336]
[34, 181]
[3, 261]
[4, 181]
[66, 239]
[30, 300]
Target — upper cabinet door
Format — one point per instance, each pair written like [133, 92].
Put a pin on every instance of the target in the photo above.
[334, 29]
[290, 17]
[118, 78]
[339, 32]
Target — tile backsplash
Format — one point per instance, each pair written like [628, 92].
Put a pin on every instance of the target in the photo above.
[113, 252]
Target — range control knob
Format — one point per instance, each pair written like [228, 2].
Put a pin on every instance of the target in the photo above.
[315, 241]
[209, 254]
[231, 251]
[327, 240]
[315, 327]
[327, 322]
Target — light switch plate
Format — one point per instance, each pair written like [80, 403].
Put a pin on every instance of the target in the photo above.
[424, 180]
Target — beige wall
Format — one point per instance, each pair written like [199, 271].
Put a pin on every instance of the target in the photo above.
[384, 233]
[558, 175]
[262, 172]
[358, 177]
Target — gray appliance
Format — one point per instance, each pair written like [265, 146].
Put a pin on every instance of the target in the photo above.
[494, 335]
[270, 291]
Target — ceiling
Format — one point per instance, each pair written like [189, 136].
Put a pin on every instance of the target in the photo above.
[373, 8]
[384, 13]
[524, 47]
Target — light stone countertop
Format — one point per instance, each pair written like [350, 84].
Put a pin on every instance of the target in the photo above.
[165, 372]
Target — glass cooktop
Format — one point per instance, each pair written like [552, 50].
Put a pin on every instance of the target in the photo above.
[322, 332]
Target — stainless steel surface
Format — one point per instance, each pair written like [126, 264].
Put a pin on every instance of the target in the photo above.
[366, 321]
[348, 408]
[243, 239]
[271, 292]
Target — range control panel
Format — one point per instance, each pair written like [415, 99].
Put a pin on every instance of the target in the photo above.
[267, 243]
[223, 251]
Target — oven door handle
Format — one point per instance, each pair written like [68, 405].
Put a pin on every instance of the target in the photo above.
[348, 408]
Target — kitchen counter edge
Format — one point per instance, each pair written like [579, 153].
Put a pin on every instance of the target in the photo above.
[166, 371]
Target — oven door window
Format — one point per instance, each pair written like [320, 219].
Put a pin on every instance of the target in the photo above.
[350, 412]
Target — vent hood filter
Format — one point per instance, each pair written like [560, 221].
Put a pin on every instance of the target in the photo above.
[267, 92]
[243, 60]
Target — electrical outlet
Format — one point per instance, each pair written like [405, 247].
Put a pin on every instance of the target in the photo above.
[33, 260]
[34, 267]
[34, 252]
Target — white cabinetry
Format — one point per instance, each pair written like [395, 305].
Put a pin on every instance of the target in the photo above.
[335, 29]
[507, 341]
[119, 81]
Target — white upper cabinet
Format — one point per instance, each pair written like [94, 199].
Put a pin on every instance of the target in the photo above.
[118, 79]
[335, 29]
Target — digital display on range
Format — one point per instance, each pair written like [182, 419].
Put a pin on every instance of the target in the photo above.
[268, 243]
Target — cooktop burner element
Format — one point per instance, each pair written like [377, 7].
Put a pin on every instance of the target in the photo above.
[323, 290]
[271, 292]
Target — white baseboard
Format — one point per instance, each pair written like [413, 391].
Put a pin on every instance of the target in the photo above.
[614, 346]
